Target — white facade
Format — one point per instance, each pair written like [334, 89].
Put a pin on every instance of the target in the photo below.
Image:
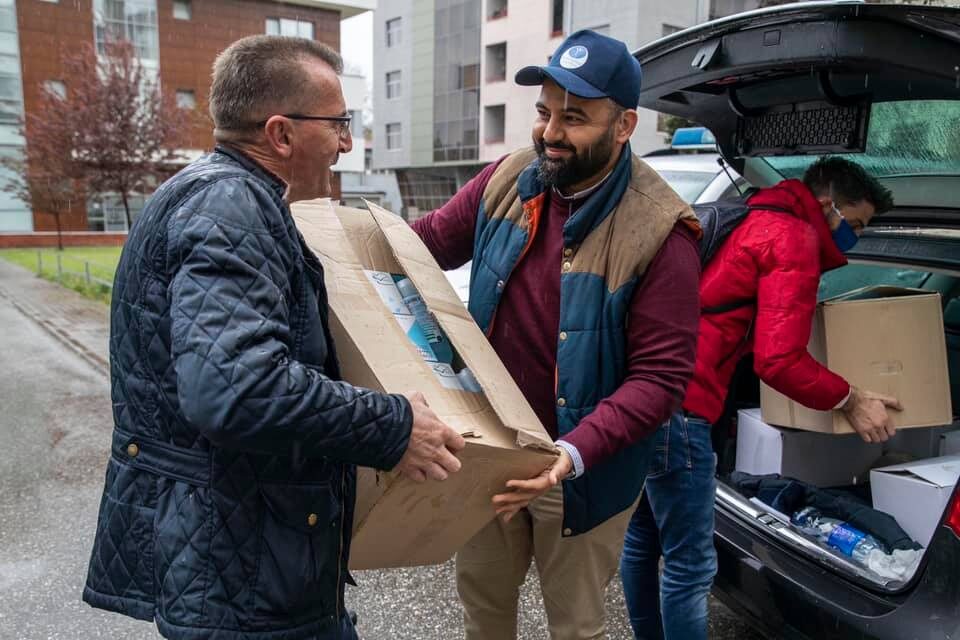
[526, 31]
[637, 22]
[355, 94]
[392, 58]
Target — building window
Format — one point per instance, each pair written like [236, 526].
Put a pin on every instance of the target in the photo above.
[496, 62]
[105, 212]
[290, 27]
[133, 20]
[56, 87]
[669, 28]
[494, 122]
[182, 9]
[394, 32]
[496, 9]
[393, 136]
[186, 99]
[556, 18]
[393, 85]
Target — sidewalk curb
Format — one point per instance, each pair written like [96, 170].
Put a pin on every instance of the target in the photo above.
[94, 360]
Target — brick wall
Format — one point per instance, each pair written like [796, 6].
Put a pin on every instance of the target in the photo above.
[46, 31]
[189, 47]
[187, 51]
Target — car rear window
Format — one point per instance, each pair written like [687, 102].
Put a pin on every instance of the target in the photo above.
[907, 138]
[688, 184]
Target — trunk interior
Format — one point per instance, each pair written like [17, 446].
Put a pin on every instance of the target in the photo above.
[775, 502]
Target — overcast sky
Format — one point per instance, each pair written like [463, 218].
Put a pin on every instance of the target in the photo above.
[356, 43]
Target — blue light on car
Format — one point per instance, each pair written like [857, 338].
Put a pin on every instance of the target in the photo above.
[693, 138]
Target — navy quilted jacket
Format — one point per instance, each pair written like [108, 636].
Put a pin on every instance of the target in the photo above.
[229, 492]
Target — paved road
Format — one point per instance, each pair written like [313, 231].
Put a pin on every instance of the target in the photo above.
[55, 428]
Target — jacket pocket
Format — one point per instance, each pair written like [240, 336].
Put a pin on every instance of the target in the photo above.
[297, 576]
[121, 566]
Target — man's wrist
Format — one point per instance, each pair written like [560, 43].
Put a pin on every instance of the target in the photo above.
[850, 401]
[575, 457]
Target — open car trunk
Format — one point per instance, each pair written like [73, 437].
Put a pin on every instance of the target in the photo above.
[820, 461]
[880, 85]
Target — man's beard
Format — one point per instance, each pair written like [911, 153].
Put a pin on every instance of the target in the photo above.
[560, 173]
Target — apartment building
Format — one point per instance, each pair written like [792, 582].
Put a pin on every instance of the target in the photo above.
[177, 40]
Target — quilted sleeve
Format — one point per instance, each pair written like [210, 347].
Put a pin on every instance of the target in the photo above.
[236, 382]
[786, 301]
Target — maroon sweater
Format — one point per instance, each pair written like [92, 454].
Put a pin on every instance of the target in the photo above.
[662, 323]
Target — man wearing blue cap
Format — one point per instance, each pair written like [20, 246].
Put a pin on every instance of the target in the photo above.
[584, 278]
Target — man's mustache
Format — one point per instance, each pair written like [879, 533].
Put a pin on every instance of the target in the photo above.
[560, 147]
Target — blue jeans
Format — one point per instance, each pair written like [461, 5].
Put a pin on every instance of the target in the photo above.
[674, 519]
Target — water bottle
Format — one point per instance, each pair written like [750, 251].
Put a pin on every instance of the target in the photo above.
[861, 547]
[428, 323]
[848, 540]
[468, 381]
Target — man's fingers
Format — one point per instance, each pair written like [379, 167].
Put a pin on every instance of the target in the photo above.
[436, 472]
[415, 474]
[891, 403]
[540, 483]
[891, 429]
[454, 441]
[512, 498]
[448, 461]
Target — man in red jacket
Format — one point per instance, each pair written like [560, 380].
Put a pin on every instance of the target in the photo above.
[762, 289]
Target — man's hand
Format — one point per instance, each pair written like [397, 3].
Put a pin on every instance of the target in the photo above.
[432, 444]
[522, 492]
[867, 413]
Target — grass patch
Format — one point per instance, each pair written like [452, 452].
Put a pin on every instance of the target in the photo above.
[75, 264]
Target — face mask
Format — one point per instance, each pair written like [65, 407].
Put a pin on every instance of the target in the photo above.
[844, 236]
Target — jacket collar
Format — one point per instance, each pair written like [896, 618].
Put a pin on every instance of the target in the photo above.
[599, 204]
[795, 196]
[276, 184]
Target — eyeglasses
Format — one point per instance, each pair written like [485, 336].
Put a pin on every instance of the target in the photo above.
[343, 122]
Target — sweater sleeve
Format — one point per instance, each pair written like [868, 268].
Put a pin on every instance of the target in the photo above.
[661, 345]
[448, 231]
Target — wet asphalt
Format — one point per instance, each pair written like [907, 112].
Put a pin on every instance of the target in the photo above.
[55, 425]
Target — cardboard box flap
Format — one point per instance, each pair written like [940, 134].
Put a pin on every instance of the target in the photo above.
[499, 387]
[874, 292]
[940, 472]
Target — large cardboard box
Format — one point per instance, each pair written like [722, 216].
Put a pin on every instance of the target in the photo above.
[398, 522]
[916, 493]
[884, 339]
[818, 458]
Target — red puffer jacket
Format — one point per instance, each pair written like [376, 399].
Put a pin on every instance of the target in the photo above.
[775, 259]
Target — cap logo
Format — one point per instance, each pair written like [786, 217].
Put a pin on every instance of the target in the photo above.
[574, 57]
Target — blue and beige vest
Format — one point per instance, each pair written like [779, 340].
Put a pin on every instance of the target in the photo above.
[608, 244]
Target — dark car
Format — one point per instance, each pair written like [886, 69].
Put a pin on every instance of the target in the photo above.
[778, 88]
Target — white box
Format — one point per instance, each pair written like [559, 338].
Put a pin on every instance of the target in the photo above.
[824, 460]
[950, 443]
[916, 493]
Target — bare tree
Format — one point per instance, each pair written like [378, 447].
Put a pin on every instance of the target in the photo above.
[126, 132]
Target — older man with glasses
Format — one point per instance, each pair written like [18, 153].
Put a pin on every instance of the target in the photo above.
[229, 494]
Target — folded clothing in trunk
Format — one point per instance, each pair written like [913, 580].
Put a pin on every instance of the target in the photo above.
[789, 496]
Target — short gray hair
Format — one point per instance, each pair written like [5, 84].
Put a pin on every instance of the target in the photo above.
[258, 76]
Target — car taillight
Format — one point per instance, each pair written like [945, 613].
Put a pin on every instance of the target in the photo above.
[953, 520]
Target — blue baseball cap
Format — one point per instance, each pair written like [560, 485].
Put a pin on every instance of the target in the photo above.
[590, 65]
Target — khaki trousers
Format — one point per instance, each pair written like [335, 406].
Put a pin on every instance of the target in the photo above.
[574, 572]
